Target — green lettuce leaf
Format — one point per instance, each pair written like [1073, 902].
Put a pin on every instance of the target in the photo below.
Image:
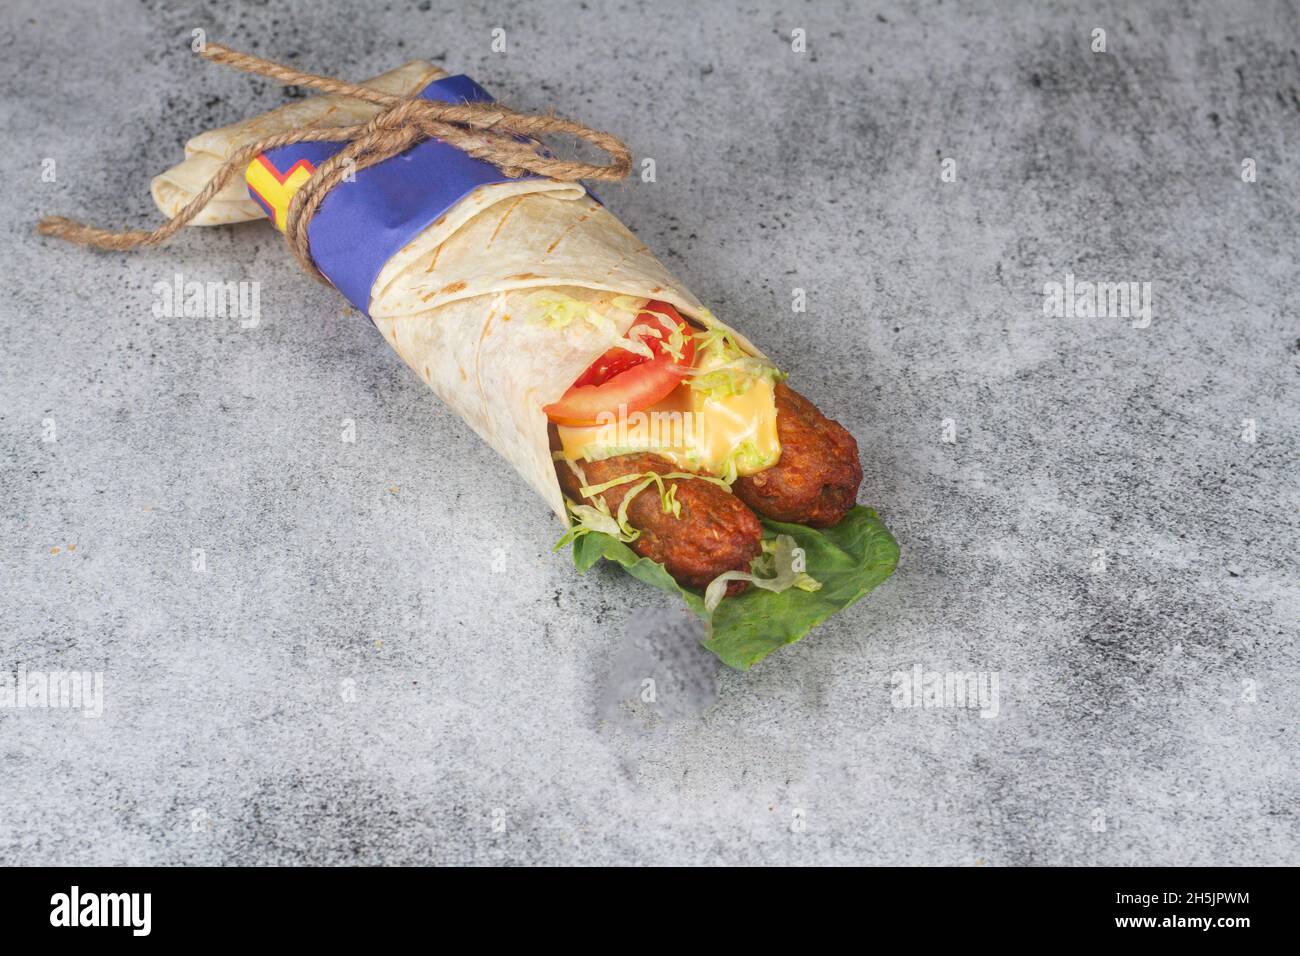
[849, 560]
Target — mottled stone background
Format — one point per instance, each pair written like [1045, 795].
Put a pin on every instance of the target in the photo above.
[1099, 535]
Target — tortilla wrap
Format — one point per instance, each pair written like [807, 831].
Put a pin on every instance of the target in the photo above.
[458, 302]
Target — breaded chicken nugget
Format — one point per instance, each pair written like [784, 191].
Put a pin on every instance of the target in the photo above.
[816, 480]
[714, 532]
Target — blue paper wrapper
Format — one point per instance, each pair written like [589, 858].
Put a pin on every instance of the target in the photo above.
[360, 225]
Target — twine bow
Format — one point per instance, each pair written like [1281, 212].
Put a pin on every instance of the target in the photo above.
[487, 131]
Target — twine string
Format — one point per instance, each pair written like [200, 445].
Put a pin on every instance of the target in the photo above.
[488, 131]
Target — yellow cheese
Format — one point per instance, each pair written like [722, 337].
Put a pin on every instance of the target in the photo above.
[728, 436]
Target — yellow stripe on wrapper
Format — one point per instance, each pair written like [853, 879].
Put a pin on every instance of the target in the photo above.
[274, 188]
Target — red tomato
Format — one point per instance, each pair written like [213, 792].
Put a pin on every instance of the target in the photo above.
[620, 377]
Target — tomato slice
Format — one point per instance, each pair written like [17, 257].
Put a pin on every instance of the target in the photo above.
[623, 378]
[614, 362]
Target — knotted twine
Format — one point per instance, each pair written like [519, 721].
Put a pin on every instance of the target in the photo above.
[488, 131]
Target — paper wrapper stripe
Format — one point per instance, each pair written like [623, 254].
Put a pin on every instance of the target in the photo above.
[362, 223]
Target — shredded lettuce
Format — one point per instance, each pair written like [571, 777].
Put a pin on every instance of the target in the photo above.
[650, 476]
[639, 333]
[746, 456]
[718, 340]
[675, 344]
[559, 311]
[779, 568]
[734, 378]
[723, 368]
[589, 519]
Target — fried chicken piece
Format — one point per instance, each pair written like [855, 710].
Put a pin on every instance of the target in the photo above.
[816, 480]
[715, 531]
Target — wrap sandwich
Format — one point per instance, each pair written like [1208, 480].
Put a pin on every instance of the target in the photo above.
[664, 439]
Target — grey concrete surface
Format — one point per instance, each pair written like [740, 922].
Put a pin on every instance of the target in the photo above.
[382, 662]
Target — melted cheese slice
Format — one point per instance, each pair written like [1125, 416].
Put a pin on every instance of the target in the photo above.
[693, 430]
